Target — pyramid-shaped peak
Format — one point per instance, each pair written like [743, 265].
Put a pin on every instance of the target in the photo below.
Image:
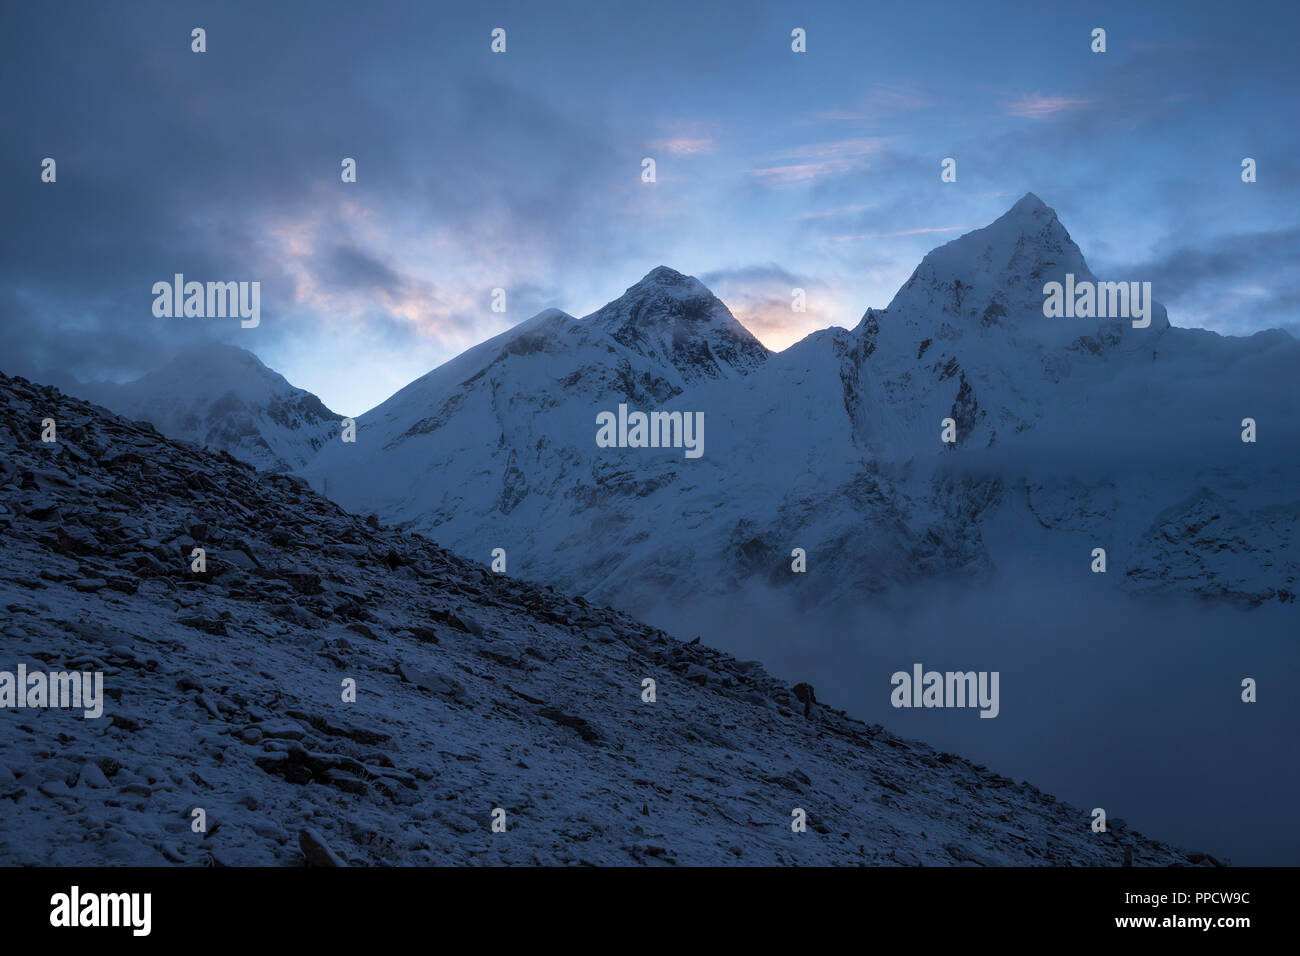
[675, 318]
[1028, 204]
[666, 295]
[1027, 238]
[1030, 216]
[546, 317]
[665, 279]
[999, 269]
[664, 274]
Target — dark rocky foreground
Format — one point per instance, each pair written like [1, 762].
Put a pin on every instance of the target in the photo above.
[473, 691]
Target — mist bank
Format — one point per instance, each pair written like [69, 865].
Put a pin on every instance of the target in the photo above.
[1132, 704]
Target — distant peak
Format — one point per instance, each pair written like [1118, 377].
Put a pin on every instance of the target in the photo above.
[676, 319]
[545, 319]
[663, 274]
[662, 277]
[1030, 207]
[215, 355]
[215, 364]
[995, 271]
[663, 283]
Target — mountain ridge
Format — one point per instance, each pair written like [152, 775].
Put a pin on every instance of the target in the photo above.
[833, 443]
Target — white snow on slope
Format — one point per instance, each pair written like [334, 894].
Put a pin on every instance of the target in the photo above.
[223, 397]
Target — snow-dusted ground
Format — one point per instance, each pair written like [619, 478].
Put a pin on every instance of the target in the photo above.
[474, 691]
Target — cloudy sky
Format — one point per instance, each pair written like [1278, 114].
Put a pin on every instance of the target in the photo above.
[523, 170]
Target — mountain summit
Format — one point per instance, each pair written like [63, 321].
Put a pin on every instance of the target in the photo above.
[995, 274]
[674, 319]
[966, 336]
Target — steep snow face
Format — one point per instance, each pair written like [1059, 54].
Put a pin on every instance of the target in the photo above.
[224, 398]
[1205, 543]
[673, 320]
[503, 438]
[965, 337]
[473, 691]
[995, 274]
[511, 421]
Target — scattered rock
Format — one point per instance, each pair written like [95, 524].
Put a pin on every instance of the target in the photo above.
[92, 776]
[432, 682]
[314, 849]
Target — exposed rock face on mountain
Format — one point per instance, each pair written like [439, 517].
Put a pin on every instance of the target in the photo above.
[1204, 543]
[674, 320]
[473, 691]
[224, 398]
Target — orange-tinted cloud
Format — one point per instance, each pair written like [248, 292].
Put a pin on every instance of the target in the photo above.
[816, 160]
[1038, 106]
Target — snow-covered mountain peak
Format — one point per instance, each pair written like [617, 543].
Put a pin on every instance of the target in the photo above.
[213, 365]
[968, 336]
[998, 272]
[675, 320]
[1030, 205]
[546, 317]
[547, 324]
[992, 282]
[225, 397]
[670, 280]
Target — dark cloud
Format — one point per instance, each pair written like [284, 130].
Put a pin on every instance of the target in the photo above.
[353, 268]
[759, 275]
[1225, 258]
[170, 161]
[522, 170]
[1202, 278]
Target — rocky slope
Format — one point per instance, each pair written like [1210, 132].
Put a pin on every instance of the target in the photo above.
[474, 691]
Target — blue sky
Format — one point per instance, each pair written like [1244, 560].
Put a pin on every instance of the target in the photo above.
[522, 170]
